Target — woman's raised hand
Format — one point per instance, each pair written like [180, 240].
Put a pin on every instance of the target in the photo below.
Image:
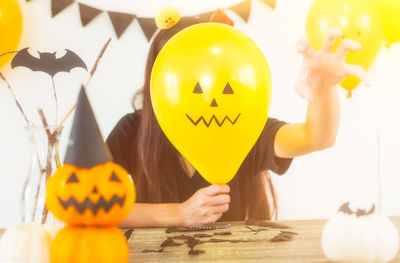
[325, 68]
[205, 206]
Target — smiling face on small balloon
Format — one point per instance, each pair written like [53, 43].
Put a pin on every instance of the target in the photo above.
[167, 17]
[210, 90]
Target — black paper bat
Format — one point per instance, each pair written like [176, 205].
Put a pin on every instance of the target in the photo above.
[345, 208]
[47, 62]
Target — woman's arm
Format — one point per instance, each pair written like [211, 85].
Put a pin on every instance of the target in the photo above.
[319, 75]
[319, 130]
[205, 206]
[153, 215]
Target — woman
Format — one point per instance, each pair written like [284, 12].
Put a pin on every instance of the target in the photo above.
[170, 192]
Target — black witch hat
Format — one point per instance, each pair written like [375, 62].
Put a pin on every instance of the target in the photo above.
[86, 147]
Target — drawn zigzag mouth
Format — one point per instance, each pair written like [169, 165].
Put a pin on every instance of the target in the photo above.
[87, 204]
[219, 123]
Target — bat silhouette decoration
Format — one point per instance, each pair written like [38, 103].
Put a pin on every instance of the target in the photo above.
[47, 62]
[345, 208]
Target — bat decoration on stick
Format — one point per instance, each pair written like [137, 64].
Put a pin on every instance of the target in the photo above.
[51, 65]
[48, 63]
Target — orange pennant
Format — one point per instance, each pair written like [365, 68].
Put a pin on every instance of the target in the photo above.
[270, 3]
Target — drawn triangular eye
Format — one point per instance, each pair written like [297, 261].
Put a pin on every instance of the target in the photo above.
[73, 179]
[228, 89]
[114, 178]
[197, 89]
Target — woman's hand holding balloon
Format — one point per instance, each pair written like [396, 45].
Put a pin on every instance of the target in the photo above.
[325, 68]
[205, 206]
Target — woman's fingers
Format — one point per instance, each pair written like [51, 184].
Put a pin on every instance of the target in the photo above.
[216, 189]
[331, 35]
[304, 48]
[345, 46]
[220, 209]
[221, 199]
[212, 218]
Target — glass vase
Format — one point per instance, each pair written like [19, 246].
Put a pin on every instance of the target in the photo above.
[45, 161]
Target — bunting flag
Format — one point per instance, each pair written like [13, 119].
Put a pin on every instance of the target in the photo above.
[242, 9]
[148, 26]
[205, 16]
[270, 3]
[88, 13]
[121, 21]
[59, 5]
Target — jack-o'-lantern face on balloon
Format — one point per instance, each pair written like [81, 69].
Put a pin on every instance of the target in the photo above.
[101, 195]
[218, 121]
[210, 91]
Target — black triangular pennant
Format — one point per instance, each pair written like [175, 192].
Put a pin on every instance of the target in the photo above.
[88, 13]
[86, 147]
[148, 26]
[59, 5]
[120, 22]
[242, 9]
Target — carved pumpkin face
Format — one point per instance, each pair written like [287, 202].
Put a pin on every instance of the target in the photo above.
[102, 195]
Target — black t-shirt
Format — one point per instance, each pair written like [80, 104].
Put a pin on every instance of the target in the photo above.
[123, 146]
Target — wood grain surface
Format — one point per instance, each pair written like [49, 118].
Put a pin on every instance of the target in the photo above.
[240, 242]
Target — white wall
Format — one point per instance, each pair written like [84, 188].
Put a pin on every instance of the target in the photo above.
[315, 185]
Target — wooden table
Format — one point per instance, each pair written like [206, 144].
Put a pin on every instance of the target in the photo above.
[239, 243]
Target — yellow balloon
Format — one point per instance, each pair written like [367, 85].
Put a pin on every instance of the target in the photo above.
[10, 28]
[359, 20]
[167, 17]
[210, 91]
[391, 17]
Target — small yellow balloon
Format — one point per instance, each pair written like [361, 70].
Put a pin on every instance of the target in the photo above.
[167, 17]
[391, 17]
[10, 28]
[359, 20]
[210, 91]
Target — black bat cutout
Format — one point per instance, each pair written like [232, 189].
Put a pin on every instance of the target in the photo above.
[47, 62]
[345, 208]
